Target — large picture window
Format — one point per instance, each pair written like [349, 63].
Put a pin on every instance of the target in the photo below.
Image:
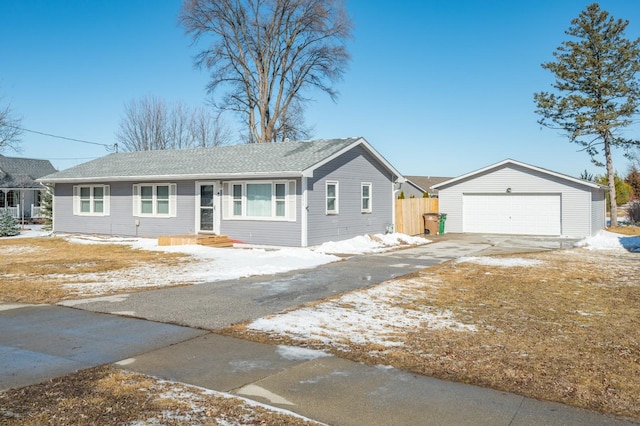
[332, 197]
[91, 200]
[262, 200]
[155, 200]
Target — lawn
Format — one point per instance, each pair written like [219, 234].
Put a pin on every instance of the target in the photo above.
[109, 396]
[558, 326]
[48, 270]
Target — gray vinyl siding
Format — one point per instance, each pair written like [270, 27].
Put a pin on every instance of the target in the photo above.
[350, 170]
[598, 211]
[120, 220]
[576, 199]
[266, 232]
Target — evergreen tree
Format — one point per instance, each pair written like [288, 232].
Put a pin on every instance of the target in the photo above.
[8, 225]
[633, 179]
[596, 91]
[46, 209]
[623, 189]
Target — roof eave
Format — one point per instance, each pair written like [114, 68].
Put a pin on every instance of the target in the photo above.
[528, 166]
[207, 176]
[359, 141]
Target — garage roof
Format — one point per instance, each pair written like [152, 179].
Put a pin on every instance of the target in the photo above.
[521, 164]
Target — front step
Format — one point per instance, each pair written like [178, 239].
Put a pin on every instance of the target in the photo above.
[200, 239]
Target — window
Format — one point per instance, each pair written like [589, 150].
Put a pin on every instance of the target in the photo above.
[332, 197]
[91, 200]
[261, 200]
[12, 199]
[366, 197]
[2, 201]
[237, 200]
[157, 200]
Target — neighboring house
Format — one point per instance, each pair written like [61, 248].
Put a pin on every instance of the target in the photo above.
[418, 185]
[289, 193]
[511, 197]
[20, 194]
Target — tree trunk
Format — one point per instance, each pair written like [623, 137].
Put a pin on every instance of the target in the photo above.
[613, 206]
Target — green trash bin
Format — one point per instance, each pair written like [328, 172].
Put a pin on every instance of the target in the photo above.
[443, 218]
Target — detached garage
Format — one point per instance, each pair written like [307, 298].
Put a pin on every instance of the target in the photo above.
[511, 197]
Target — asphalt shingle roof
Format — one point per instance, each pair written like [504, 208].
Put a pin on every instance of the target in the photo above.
[267, 158]
[22, 172]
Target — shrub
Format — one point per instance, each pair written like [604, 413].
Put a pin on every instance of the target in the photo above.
[8, 225]
[634, 211]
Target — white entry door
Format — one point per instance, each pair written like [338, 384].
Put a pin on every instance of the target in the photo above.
[207, 201]
[525, 214]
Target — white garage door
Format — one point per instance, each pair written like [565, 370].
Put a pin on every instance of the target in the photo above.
[529, 214]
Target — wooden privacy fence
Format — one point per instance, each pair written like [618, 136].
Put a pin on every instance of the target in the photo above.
[409, 214]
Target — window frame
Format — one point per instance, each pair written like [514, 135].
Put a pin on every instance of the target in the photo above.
[156, 200]
[237, 200]
[369, 197]
[93, 201]
[336, 197]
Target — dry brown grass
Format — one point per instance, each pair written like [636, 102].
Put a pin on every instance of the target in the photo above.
[106, 396]
[36, 270]
[626, 230]
[566, 330]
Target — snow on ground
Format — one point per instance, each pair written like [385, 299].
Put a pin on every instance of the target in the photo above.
[605, 240]
[374, 316]
[369, 244]
[208, 264]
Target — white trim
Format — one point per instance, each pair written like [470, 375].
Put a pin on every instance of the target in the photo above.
[289, 200]
[216, 207]
[172, 200]
[77, 200]
[304, 213]
[362, 186]
[518, 163]
[360, 141]
[336, 209]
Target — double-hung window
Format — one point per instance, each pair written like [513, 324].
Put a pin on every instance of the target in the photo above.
[91, 200]
[155, 200]
[365, 192]
[261, 200]
[332, 197]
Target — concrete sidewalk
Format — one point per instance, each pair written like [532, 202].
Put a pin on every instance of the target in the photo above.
[341, 392]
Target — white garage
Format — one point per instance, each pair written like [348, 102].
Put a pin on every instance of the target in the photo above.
[511, 197]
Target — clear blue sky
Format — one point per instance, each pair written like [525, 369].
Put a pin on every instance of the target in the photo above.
[439, 88]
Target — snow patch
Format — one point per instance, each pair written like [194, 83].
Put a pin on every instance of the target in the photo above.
[294, 353]
[605, 240]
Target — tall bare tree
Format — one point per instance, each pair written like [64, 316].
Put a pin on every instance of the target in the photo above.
[149, 124]
[596, 91]
[263, 54]
[10, 129]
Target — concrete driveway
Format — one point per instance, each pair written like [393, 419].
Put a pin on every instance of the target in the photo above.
[215, 305]
[39, 342]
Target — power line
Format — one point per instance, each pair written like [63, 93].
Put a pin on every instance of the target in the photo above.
[110, 148]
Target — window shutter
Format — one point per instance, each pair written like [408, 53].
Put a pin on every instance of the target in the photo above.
[106, 200]
[136, 200]
[227, 205]
[76, 199]
[173, 200]
[291, 201]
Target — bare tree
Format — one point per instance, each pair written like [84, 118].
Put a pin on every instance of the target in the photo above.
[149, 124]
[265, 53]
[10, 129]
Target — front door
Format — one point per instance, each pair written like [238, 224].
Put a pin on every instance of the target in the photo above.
[206, 207]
